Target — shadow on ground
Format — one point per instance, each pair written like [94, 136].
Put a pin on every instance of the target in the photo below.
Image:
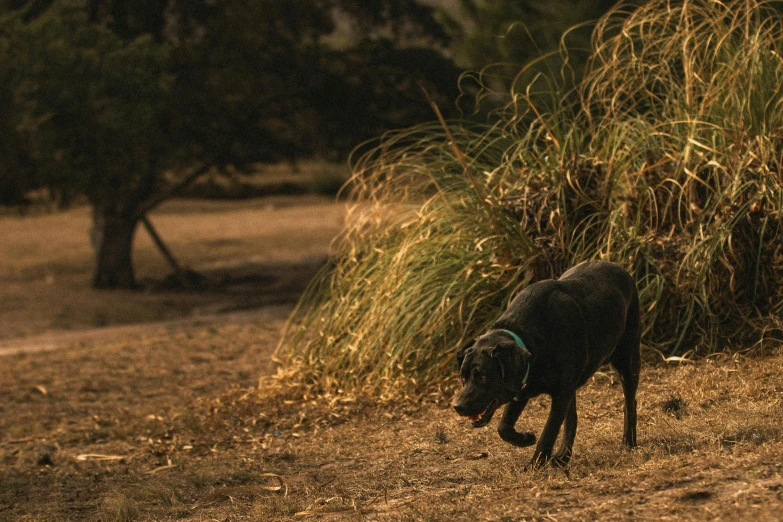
[244, 286]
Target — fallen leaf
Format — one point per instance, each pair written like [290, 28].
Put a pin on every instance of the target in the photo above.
[98, 456]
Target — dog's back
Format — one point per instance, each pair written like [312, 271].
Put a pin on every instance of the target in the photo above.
[605, 295]
[601, 277]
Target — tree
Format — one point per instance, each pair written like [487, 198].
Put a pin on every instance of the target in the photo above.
[93, 120]
[279, 88]
[111, 98]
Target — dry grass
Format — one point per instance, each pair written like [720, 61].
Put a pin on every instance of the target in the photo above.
[144, 432]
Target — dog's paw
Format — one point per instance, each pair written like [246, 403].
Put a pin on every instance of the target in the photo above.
[561, 458]
[518, 439]
[538, 461]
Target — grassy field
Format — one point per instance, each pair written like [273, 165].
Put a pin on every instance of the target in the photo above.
[253, 252]
[168, 421]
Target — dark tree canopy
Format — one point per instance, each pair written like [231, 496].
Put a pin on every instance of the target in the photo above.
[119, 100]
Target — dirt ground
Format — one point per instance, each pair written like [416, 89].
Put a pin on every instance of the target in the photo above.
[167, 420]
[250, 253]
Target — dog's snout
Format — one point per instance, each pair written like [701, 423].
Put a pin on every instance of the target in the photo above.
[460, 408]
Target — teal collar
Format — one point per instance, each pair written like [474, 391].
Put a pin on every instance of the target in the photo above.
[517, 339]
[521, 344]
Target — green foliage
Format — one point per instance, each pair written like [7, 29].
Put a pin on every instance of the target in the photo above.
[666, 161]
[234, 83]
[276, 90]
[498, 38]
[89, 106]
[18, 176]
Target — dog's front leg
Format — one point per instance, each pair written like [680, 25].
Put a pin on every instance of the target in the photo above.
[506, 427]
[560, 406]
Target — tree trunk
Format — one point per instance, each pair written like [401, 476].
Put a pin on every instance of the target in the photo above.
[112, 241]
[112, 230]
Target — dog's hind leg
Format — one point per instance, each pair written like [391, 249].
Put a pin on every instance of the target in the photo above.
[626, 359]
[506, 427]
[628, 369]
[563, 455]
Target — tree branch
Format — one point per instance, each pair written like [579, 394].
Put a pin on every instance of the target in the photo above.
[171, 191]
[161, 246]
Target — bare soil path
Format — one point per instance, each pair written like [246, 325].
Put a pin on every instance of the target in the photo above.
[131, 333]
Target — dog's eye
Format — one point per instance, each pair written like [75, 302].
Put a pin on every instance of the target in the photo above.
[478, 376]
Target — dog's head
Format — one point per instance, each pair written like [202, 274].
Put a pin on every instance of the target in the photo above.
[492, 368]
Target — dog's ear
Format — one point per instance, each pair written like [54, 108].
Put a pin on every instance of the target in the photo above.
[513, 362]
[461, 352]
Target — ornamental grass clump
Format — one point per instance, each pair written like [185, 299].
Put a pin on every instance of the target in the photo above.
[666, 158]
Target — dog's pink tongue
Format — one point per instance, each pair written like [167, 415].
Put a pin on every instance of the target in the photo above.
[474, 418]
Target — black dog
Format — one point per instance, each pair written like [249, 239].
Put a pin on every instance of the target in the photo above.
[552, 339]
